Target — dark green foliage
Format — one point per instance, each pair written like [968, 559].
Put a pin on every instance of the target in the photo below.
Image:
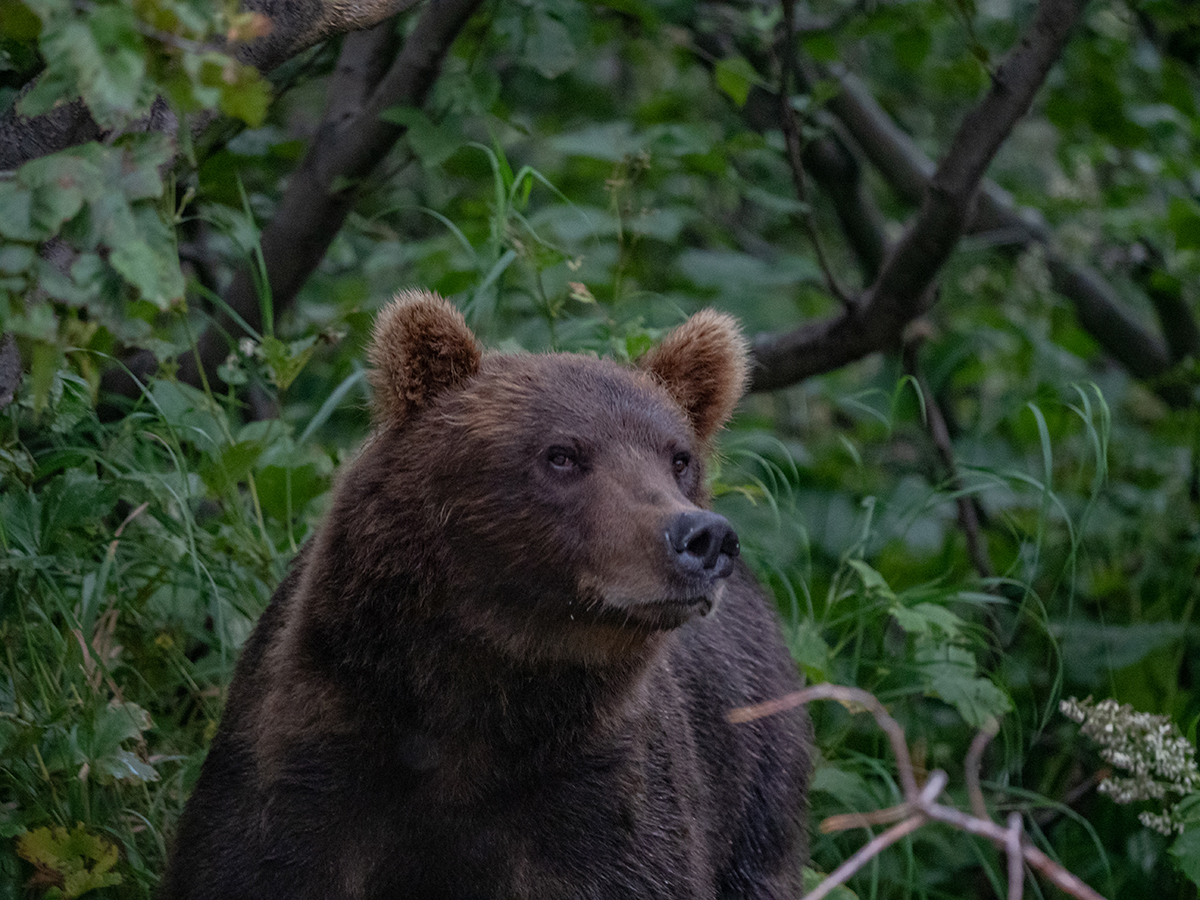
[583, 177]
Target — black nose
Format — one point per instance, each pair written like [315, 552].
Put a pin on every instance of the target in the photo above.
[703, 543]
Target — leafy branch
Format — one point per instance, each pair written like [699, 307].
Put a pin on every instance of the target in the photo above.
[902, 290]
[353, 138]
[1099, 309]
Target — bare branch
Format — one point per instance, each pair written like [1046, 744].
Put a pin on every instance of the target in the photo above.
[1016, 869]
[1055, 873]
[918, 807]
[902, 290]
[877, 845]
[850, 696]
[972, 764]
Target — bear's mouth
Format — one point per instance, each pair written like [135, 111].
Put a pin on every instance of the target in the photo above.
[668, 612]
[701, 604]
[663, 607]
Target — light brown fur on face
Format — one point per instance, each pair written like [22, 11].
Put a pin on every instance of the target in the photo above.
[703, 364]
[421, 347]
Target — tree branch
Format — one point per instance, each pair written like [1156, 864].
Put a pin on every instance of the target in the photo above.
[296, 26]
[350, 142]
[902, 290]
[919, 804]
[290, 27]
[825, 155]
[909, 171]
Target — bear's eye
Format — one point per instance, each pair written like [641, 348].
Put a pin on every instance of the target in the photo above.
[562, 458]
[680, 462]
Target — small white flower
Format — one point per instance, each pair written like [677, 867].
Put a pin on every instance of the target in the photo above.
[1161, 760]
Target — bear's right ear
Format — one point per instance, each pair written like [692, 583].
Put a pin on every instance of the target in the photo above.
[421, 347]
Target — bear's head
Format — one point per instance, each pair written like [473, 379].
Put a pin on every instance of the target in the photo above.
[542, 494]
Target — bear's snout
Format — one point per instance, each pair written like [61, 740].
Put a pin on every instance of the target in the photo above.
[702, 543]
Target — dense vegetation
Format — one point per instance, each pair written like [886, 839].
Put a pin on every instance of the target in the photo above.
[997, 511]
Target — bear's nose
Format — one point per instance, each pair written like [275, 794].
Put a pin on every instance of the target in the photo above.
[703, 543]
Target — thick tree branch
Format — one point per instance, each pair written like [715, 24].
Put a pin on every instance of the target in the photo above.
[350, 142]
[289, 27]
[299, 24]
[909, 171]
[902, 290]
[1170, 305]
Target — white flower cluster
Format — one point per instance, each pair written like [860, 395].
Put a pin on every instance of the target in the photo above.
[1159, 759]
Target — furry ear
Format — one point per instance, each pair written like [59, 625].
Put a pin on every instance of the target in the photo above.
[420, 348]
[704, 366]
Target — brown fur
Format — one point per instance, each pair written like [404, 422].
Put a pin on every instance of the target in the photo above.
[421, 347]
[703, 364]
[493, 672]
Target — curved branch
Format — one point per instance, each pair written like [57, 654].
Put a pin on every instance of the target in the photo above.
[902, 290]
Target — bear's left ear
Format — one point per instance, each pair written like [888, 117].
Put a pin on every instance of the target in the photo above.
[704, 366]
[421, 347]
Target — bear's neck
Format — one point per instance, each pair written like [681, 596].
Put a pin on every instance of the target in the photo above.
[429, 672]
[468, 687]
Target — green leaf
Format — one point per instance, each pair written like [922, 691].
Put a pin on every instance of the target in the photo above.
[735, 76]
[113, 725]
[810, 650]
[143, 252]
[431, 143]
[16, 258]
[950, 674]
[245, 94]
[226, 470]
[872, 581]
[285, 361]
[17, 22]
[125, 767]
[548, 47]
[927, 618]
[1185, 853]
[1183, 218]
[912, 46]
[76, 860]
[108, 57]
[16, 212]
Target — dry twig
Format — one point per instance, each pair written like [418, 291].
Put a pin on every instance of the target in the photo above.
[920, 806]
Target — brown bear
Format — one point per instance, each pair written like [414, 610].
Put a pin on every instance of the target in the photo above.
[503, 666]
